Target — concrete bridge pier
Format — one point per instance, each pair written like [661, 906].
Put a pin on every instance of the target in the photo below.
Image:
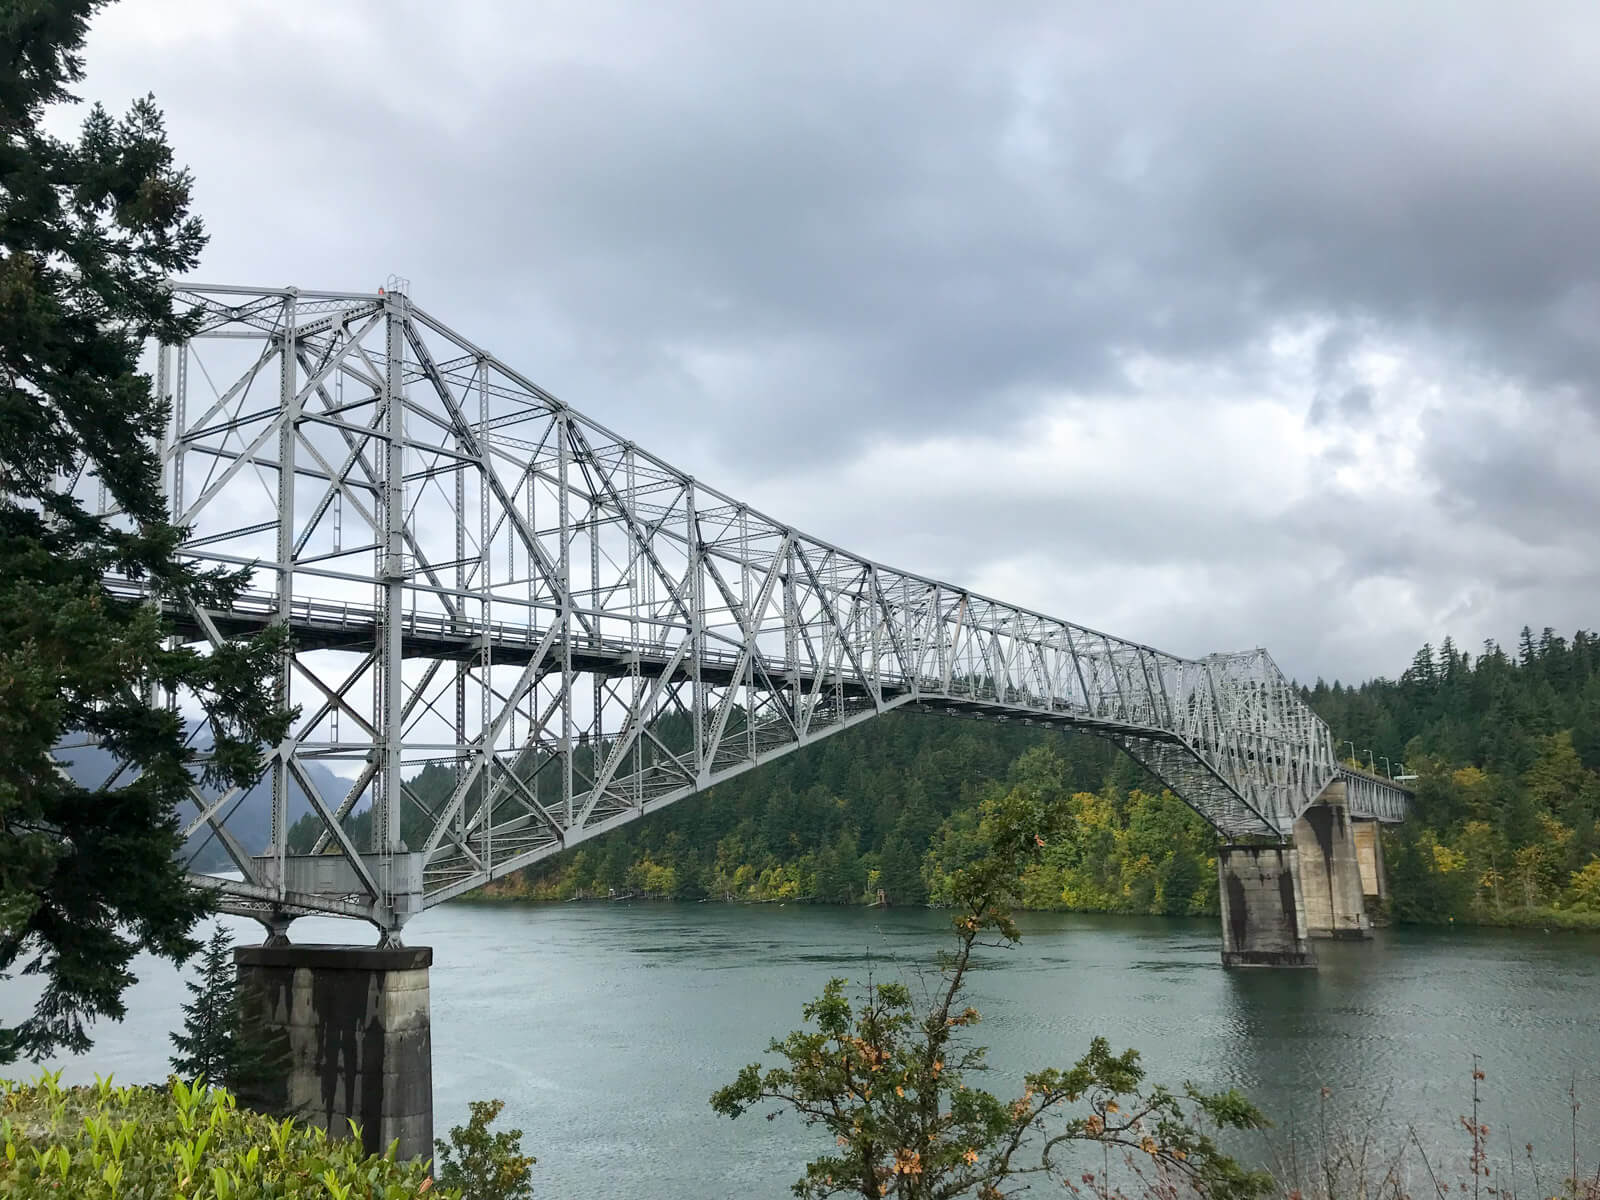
[356, 1025]
[1263, 908]
[1369, 857]
[1330, 873]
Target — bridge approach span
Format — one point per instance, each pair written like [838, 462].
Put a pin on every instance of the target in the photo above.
[514, 630]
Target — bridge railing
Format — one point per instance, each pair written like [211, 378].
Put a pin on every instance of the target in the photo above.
[1373, 797]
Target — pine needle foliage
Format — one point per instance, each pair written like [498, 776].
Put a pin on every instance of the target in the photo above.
[90, 231]
[219, 1045]
[886, 1076]
[210, 1027]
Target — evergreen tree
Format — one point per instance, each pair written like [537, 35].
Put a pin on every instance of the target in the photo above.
[901, 875]
[1423, 674]
[90, 230]
[1556, 779]
[1451, 663]
[206, 1045]
[1180, 879]
[219, 1044]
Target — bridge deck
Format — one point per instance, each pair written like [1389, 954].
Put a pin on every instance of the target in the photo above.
[329, 625]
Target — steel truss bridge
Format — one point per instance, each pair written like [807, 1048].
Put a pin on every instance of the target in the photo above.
[514, 630]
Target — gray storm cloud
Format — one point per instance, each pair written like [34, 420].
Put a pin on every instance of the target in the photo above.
[801, 249]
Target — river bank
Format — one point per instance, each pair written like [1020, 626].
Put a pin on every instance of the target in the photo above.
[1550, 920]
[1547, 920]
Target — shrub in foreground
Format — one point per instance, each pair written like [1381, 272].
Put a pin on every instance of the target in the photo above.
[106, 1143]
[886, 1077]
[483, 1165]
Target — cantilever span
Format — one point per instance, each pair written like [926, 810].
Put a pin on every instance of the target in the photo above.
[514, 629]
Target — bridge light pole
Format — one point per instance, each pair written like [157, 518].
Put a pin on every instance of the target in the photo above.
[1352, 746]
[1371, 765]
[1386, 765]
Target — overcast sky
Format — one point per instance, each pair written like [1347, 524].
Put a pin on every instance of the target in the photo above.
[1212, 325]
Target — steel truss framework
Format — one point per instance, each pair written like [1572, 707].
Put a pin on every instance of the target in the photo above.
[560, 633]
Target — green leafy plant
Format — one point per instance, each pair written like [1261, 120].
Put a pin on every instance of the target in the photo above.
[109, 1143]
[484, 1165]
[887, 1077]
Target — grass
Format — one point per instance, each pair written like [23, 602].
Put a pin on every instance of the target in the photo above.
[1383, 1160]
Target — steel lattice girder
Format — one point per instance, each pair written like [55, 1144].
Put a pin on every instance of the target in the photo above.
[564, 632]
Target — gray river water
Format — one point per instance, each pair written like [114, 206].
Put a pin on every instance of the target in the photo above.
[605, 1027]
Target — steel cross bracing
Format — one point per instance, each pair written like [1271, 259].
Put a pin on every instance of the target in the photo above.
[514, 630]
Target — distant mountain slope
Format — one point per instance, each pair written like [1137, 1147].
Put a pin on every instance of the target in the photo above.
[249, 820]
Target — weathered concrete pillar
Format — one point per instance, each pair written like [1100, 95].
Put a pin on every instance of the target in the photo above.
[356, 1024]
[1263, 911]
[1329, 873]
[1369, 857]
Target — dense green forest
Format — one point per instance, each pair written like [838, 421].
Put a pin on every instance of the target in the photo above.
[1506, 748]
[1506, 824]
[889, 806]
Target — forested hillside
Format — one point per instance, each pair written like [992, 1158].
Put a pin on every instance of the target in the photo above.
[1507, 750]
[1507, 824]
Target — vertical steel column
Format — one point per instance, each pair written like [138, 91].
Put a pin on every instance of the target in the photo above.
[564, 569]
[875, 614]
[695, 631]
[459, 601]
[511, 580]
[485, 607]
[597, 730]
[176, 450]
[288, 415]
[180, 419]
[752, 622]
[164, 373]
[791, 632]
[637, 562]
[169, 439]
[595, 631]
[391, 721]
